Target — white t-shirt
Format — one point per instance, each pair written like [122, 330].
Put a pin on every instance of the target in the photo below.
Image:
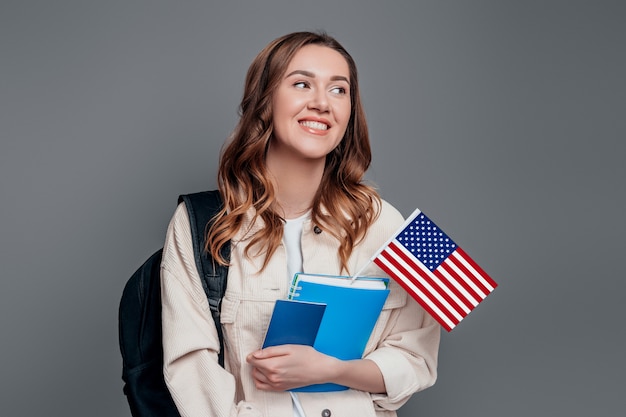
[291, 238]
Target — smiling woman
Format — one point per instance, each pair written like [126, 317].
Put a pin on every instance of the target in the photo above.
[291, 178]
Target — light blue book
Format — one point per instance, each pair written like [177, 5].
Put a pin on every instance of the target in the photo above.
[352, 309]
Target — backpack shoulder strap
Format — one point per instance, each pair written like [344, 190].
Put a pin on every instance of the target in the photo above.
[201, 208]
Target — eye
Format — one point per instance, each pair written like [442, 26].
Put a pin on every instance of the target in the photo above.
[338, 90]
[301, 84]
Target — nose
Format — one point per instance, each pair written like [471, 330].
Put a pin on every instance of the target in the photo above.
[319, 101]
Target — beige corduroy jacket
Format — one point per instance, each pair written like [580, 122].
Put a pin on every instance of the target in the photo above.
[404, 343]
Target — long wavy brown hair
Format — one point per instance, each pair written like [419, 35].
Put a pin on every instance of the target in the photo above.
[344, 205]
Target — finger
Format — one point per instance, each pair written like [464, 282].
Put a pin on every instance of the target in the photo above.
[273, 351]
[258, 375]
[261, 382]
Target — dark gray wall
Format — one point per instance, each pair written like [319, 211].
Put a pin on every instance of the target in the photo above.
[504, 121]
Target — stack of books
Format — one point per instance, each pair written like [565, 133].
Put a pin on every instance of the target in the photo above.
[334, 314]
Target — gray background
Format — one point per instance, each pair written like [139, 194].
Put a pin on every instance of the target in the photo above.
[504, 121]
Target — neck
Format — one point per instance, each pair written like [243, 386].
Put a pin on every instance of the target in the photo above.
[296, 184]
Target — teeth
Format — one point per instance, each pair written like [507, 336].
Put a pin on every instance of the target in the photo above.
[314, 125]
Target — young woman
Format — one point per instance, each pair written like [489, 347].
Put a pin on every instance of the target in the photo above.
[291, 177]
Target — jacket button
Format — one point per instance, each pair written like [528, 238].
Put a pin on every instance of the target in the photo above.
[317, 231]
[326, 412]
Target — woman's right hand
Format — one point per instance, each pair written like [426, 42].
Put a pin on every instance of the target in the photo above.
[280, 368]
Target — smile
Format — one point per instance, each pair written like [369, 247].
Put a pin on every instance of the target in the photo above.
[314, 125]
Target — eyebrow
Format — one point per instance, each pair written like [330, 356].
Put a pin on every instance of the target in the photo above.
[311, 75]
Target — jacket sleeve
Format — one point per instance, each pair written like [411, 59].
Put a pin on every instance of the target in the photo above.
[198, 384]
[407, 355]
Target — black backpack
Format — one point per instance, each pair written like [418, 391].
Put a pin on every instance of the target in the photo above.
[139, 317]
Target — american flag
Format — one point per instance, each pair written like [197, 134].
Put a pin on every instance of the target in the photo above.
[434, 270]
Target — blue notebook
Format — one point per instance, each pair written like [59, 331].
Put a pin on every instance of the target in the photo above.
[294, 323]
[352, 309]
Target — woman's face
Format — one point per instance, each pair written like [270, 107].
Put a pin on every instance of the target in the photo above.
[311, 106]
